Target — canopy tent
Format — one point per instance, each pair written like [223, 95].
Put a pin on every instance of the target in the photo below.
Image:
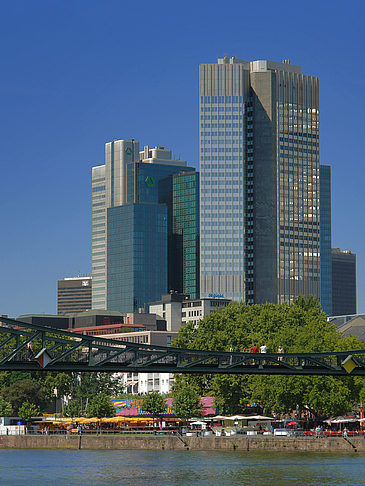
[198, 422]
[260, 417]
[341, 420]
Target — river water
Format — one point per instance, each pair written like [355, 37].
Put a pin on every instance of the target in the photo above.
[135, 468]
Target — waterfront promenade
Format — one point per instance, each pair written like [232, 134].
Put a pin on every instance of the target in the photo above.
[173, 442]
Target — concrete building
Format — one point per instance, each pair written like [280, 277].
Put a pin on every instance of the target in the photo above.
[259, 181]
[93, 319]
[350, 325]
[177, 310]
[132, 220]
[343, 282]
[98, 243]
[74, 294]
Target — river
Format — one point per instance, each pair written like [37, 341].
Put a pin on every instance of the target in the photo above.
[135, 468]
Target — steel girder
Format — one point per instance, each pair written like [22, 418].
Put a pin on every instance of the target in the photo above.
[31, 347]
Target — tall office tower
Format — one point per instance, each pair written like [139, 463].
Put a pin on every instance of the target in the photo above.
[184, 235]
[259, 179]
[73, 295]
[326, 238]
[343, 282]
[108, 190]
[98, 243]
[132, 200]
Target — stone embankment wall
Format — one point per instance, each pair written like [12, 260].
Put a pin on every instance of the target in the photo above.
[239, 443]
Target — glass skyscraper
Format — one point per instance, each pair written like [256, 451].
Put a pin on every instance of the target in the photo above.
[132, 207]
[259, 178]
[184, 234]
[326, 238]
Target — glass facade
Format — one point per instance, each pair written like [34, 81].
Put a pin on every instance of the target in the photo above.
[326, 238]
[137, 255]
[222, 158]
[259, 181]
[139, 223]
[98, 245]
[184, 244]
[343, 282]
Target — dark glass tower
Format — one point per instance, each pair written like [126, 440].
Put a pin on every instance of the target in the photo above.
[326, 238]
[343, 282]
[184, 236]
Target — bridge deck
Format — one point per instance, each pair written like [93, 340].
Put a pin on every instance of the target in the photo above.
[30, 347]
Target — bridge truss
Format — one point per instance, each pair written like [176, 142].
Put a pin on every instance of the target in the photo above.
[29, 347]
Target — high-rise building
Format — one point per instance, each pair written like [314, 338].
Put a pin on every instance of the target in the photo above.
[343, 282]
[184, 235]
[98, 243]
[74, 294]
[326, 238]
[130, 231]
[259, 181]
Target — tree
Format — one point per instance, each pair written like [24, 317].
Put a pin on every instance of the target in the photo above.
[154, 403]
[5, 408]
[100, 406]
[23, 391]
[74, 409]
[187, 403]
[28, 410]
[299, 327]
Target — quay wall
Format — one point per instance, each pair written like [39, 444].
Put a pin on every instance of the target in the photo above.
[135, 442]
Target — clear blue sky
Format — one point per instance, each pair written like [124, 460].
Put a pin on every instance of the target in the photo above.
[76, 74]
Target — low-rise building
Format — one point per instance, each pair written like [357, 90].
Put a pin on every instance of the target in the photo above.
[177, 310]
[143, 383]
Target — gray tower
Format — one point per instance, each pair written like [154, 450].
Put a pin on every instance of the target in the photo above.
[259, 166]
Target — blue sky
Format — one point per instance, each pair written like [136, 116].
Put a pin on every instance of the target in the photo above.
[76, 74]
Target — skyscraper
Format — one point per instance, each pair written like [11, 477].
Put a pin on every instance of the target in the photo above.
[132, 207]
[343, 282]
[184, 235]
[326, 238]
[259, 179]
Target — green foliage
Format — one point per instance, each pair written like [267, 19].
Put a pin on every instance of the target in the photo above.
[300, 327]
[5, 408]
[23, 391]
[88, 385]
[27, 411]
[154, 403]
[100, 406]
[73, 409]
[187, 402]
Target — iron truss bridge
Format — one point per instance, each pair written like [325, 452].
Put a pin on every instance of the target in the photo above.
[29, 347]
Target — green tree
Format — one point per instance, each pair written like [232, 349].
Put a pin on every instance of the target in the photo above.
[5, 408]
[187, 403]
[73, 409]
[27, 411]
[154, 403]
[100, 406]
[23, 391]
[299, 327]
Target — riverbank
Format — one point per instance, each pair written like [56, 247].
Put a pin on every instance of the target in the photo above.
[135, 442]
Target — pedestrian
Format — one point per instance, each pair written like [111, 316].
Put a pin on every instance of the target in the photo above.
[231, 351]
[30, 350]
[345, 433]
[254, 349]
[280, 351]
[263, 348]
[244, 349]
